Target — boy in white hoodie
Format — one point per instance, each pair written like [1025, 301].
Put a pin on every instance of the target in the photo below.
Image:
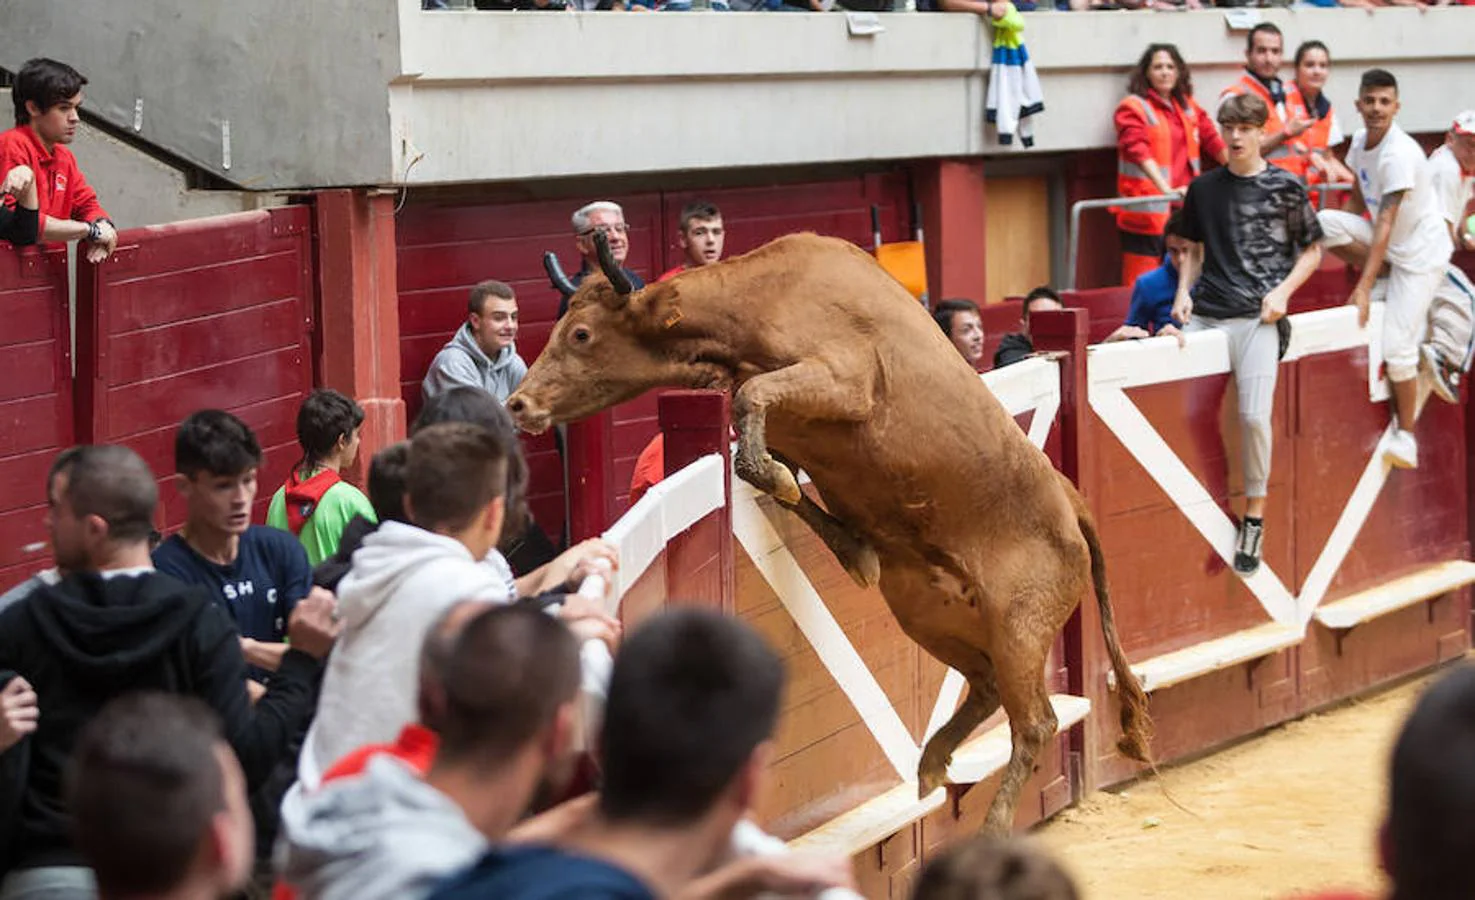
[402, 579]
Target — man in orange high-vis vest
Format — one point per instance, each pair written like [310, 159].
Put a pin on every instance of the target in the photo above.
[1288, 120]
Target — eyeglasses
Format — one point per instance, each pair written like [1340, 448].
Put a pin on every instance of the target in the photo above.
[621, 228]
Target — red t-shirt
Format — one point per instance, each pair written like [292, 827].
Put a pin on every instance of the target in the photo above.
[61, 190]
[671, 273]
[650, 467]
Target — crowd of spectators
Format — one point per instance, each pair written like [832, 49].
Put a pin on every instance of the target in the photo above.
[972, 6]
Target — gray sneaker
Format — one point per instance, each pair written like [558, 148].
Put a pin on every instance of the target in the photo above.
[1247, 548]
[1445, 385]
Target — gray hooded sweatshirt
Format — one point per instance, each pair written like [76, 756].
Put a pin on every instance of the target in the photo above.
[461, 362]
[384, 834]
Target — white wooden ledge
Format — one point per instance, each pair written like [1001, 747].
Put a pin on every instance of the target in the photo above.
[1213, 656]
[1397, 594]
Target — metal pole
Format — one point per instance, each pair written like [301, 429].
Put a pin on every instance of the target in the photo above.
[1100, 203]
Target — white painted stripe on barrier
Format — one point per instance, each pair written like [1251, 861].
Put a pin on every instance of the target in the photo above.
[1349, 524]
[947, 701]
[1129, 364]
[761, 541]
[667, 509]
[1136, 433]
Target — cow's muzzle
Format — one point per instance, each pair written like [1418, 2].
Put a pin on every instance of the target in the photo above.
[527, 415]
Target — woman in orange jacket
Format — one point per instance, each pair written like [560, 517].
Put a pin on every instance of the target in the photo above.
[1163, 136]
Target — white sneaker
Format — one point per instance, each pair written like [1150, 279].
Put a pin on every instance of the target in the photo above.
[1402, 449]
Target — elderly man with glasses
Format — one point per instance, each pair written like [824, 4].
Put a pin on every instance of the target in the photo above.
[604, 217]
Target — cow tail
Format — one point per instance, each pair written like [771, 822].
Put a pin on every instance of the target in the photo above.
[1136, 723]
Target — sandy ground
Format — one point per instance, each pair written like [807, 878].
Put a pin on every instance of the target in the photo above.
[1293, 810]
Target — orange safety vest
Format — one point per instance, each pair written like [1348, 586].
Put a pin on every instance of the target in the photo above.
[1314, 138]
[1291, 155]
[1131, 181]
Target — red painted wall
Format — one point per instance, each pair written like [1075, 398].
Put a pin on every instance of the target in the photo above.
[199, 314]
[35, 400]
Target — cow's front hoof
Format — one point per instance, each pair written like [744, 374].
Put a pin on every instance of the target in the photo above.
[931, 775]
[785, 486]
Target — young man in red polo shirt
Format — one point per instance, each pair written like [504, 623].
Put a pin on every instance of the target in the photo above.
[47, 95]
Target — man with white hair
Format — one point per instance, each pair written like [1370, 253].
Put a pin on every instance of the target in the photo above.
[606, 217]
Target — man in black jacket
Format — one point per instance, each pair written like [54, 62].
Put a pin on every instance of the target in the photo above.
[1018, 346]
[112, 626]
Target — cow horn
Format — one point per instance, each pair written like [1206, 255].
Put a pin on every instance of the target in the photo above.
[556, 276]
[617, 277]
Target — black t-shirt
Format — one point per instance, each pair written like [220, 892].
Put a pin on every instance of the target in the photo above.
[1253, 229]
[541, 873]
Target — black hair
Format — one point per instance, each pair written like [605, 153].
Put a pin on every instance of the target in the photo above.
[1043, 292]
[44, 82]
[387, 482]
[143, 786]
[216, 442]
[1376, 78]
[1308, 46]
[1431, 798]
[324, 417]
[1262, 28]
[944, 312]
[692, 695]
[1140, 84]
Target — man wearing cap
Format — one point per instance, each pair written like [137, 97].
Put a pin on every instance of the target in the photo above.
[1451, 343]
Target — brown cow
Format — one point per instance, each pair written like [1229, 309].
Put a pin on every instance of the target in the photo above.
[981, 549]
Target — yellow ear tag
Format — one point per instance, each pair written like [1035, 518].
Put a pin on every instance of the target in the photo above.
[673, 318]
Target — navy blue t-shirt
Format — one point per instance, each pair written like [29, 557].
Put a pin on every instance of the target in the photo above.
[541, 873]
[270, 574]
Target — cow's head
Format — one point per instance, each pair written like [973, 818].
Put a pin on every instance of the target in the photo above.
[613, 344]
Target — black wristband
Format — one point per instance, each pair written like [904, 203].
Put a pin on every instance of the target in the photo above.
[94, 231]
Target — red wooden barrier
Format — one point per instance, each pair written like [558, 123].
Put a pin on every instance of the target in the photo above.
[199, 314]
[35, 400]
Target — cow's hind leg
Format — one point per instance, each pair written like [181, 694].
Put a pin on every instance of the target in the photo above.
[855, 554]
[982, 701]
[807, 390]
[1032, 724]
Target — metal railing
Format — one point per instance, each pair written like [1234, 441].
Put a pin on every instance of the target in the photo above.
[1080, 206]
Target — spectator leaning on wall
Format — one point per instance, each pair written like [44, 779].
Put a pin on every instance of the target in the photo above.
[47, 95]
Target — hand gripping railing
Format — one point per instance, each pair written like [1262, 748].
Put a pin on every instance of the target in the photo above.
[1080, 206]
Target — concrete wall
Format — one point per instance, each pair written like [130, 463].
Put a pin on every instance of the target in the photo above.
[378, 92]
[300, 86]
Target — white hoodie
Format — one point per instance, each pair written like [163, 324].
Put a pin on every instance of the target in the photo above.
[403, 578]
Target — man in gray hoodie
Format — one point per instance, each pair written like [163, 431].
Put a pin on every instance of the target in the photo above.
[483, 352]
[498, 700]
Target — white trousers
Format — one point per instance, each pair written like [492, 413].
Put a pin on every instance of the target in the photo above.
[1406, 314]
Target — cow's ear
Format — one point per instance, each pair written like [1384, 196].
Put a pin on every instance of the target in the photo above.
[657, 306]
[612, 301]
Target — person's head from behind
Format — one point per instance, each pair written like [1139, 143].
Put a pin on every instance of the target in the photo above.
[961, 321]
[387, 482]
[1264, 50]
[1427, 841]
[491, 316]
[1041, 299]
[47, 95]
[328, 429]
[608, 218]
[984, 868]
[476, 406]
[1377, 100]
[100, 500]
[216, 458]
[701, 234]
[158, 800]
[455, 481]
[1161, 69]
[1178, 246]
[1242, 121]
[693, 700]
[507, 701]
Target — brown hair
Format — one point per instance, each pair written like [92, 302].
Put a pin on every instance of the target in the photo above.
[479, 294]
[1244, 109]
[993, 869]
[454, 471]
[1141, 85]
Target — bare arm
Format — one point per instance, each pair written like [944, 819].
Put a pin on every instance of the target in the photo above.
[1154, 173]
[59, 230]
[1358, 204]
[1382, 235]
[263, 654]
[1274, 305]
[1187, 275]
